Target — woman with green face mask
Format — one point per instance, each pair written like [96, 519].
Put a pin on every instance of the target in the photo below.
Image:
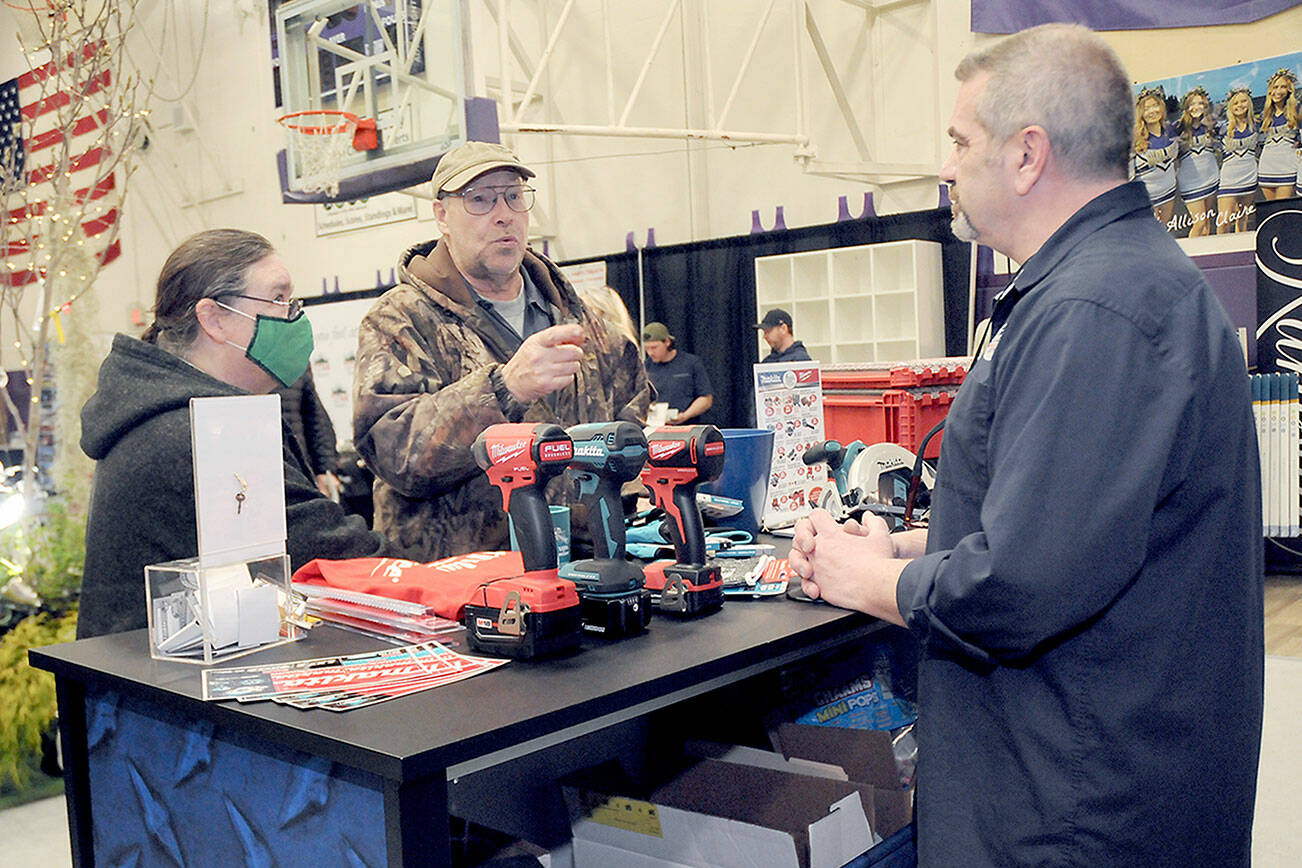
[225, 323]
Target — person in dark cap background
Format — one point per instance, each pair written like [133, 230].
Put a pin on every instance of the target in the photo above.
[678, 377]
[776, 326]
[479, 330]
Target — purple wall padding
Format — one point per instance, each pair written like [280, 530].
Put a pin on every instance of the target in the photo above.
[1233, 277]
[1009, 16]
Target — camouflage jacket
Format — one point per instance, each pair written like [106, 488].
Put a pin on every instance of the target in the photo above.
[422, 392]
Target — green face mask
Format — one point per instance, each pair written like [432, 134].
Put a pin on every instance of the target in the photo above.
[281, 347]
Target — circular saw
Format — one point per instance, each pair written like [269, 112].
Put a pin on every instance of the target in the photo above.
[873, 478]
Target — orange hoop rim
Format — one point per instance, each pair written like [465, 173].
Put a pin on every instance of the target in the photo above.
[346, 121]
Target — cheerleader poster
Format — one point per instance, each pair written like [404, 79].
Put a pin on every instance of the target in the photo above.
[1211, 146]
[335, 319]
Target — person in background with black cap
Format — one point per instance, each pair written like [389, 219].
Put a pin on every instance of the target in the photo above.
[678, 376]
[776, 326]
[480, 330]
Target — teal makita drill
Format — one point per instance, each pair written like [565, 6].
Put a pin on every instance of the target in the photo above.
[613, 599]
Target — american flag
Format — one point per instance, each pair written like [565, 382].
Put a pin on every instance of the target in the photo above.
[32, 136]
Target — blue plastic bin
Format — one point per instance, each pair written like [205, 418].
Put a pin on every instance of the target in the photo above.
[748, 453]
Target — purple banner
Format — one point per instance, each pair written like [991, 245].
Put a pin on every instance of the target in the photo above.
[1009, 16]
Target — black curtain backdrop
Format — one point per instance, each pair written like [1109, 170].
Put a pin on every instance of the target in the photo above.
[705, 293]
[621, 274]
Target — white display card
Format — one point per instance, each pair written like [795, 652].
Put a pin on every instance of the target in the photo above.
[586, 276]
[239, 477]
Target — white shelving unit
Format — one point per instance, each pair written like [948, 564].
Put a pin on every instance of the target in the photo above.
[871, 303]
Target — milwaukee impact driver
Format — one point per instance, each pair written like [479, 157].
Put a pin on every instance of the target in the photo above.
[536, 612]
[680, 458]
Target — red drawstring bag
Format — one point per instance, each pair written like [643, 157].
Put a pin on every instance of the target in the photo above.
[443, 586]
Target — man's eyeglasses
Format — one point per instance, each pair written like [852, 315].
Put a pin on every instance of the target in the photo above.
[293, 307]
[481, 200]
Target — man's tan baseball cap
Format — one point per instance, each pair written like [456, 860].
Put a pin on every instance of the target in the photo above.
[464, 163]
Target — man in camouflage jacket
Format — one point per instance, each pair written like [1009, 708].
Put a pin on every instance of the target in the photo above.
[478, 331]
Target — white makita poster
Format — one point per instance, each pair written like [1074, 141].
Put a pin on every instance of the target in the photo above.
[789, 402]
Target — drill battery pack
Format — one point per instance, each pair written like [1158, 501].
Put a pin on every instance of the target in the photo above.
[686, 590]
[523, 616]
[611, 595]
[612, 616]
[612, 599]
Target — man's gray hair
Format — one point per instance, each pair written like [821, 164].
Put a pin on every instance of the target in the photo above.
[1064, 78]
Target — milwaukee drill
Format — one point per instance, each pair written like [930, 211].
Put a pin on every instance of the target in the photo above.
[613, 599]
[535, 612]
[679, 459]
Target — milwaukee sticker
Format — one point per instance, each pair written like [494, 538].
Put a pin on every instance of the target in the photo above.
[662, 449]
[500, 452]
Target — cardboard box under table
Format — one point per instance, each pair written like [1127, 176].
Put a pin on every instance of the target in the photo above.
[868, 760]
[719, 814]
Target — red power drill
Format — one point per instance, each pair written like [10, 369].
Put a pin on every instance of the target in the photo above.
[536, 612]
[678, 460]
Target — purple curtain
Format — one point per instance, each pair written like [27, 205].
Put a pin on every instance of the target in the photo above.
[1009, 16]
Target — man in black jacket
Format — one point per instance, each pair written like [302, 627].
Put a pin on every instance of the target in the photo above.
[1088, 593]
[306, 416]
[776, 326]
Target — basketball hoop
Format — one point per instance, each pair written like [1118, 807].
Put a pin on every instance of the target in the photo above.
[319, 141]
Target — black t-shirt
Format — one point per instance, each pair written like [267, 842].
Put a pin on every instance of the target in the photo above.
[679, 381]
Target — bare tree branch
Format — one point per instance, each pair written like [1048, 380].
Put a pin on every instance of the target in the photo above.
[84, 139]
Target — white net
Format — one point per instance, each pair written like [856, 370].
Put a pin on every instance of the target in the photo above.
[319, 142]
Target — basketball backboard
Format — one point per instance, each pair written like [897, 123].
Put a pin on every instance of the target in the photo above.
[399, 62]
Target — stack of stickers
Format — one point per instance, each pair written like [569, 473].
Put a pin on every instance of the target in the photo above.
[345, 683]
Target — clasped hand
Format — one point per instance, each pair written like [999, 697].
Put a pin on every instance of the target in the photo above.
[835, 561]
